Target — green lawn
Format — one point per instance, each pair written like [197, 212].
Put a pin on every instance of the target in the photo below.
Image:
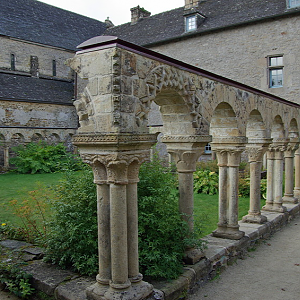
[206, 211]
[17, 186]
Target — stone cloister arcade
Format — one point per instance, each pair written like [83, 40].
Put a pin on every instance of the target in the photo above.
[122, 81]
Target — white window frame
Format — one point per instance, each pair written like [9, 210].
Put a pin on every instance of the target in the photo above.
[190, 23]
[273, 67]
[293, 3]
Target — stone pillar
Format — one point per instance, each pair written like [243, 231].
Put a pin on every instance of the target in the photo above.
[255, 156]
[185, 152]
[116, 168]
[6, 157]
[275, 176]
[228, 152]
[297, 174]
[289, 155]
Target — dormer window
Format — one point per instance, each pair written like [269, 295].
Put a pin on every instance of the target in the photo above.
[190, 23]
[293, 3]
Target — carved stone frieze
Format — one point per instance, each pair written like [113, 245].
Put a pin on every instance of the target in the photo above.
[169, 77]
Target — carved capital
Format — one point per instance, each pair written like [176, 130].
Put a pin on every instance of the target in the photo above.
[117, 168]
[185, 160]
[255, 154]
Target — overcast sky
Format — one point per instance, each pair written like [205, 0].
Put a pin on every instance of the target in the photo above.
[118, 11]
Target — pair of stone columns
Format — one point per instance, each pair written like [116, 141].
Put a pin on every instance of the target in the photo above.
[228, 151]
[255, 150]
[281, 150]
[115, 160]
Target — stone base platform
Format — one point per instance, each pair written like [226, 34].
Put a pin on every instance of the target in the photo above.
[66, 285]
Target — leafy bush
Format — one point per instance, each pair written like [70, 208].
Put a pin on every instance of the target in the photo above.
[211, 165]
[43, 158]
[72, 240]
[162, 233]
[206, 182]
[161, 229]
[15, 280]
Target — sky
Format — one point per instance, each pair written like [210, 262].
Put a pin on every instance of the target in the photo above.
[118, 11]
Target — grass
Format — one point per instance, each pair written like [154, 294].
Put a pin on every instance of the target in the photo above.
[17, 186]
[206, 211]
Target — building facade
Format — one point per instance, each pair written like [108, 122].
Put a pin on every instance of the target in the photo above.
[36, 86]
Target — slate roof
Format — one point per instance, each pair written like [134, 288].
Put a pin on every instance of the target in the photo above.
[219, 14]
[42, 23]
[31, 89]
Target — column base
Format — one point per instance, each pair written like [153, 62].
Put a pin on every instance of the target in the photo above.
[297, 194]
[274, 208]
[228, 233]
[289, 199]
[254, 218]
[137, 291]
[192, 256]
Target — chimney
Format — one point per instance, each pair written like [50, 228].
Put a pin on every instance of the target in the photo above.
[109, 23]
[189, 4]
[138, 13]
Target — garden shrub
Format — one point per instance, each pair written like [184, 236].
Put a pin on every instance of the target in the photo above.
[162, 233]
[43, 158]
[206, 182]
[72, 240]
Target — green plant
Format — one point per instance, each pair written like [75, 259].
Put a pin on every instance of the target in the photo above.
[163, 236]
[211, 165]
[15, 280]
[206, 182]
[72, 240]
[43, 158]
[32, 214]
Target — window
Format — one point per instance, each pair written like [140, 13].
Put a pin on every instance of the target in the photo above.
[190, 23]
[53, 67]
[207, 149]
[294, 3]
[12, 62]
[275, 65]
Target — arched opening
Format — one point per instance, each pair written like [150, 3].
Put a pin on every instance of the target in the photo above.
[224, 122]
[53, 139]
[255, 128]
[36, 137]
[277, 130]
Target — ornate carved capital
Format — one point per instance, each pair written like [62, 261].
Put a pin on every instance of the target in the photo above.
[185, 160]
[117, 168]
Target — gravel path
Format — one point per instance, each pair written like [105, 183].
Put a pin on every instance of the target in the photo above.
[271, 272]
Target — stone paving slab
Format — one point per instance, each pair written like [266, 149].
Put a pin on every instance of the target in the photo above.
[66, 285]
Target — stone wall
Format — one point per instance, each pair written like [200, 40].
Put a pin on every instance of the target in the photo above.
[23, 114]
[23, 50]
[241, 54]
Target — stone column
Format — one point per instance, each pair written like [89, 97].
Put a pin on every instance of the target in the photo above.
[116, 162]
[6, 157]
[228, 152]
[289, 155]
[297, 174]
[275, 176]
[255, 156]
[185, 152]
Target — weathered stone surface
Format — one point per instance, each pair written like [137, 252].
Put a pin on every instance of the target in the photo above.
[46, 277]
[74, 289]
